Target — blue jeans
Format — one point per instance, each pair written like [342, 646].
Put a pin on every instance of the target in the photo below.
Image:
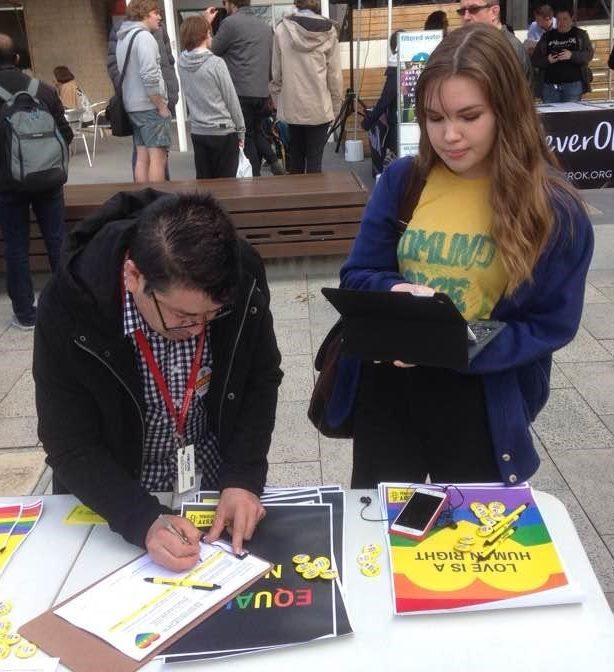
[48, 207]
[568, 92]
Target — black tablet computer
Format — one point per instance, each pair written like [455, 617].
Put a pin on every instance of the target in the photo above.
[423, 330]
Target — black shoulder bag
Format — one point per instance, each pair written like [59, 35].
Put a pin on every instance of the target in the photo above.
[327, 358]
[116, 113]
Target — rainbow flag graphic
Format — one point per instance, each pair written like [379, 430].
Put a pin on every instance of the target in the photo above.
[146, 639]
[16, 522]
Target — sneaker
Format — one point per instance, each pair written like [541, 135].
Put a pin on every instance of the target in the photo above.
[277, 168]
[24, 324]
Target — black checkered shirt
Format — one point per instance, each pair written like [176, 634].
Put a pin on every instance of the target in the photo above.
[174, 358]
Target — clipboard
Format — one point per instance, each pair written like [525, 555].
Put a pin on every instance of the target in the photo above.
[82, 651]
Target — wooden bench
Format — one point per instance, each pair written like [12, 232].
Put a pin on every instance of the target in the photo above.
[282, 216]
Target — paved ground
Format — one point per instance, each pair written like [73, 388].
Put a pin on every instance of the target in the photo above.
[574, 433]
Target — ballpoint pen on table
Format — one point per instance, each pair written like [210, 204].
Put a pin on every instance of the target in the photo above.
[182, 583]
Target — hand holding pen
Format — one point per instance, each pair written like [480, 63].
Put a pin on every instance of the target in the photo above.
[173, 542]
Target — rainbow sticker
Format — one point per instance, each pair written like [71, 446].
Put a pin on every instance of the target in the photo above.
[145, 639]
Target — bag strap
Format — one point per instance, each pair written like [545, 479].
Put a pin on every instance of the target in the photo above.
[33, 87]
[5, 95]
[121, 77]
[413, 191]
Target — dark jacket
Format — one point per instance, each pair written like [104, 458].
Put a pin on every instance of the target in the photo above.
[387, 104]
[611, 60]
[580, 57]
[167, 63]
[541, 317]
[245, 42]
[89, 395]
[13, 80]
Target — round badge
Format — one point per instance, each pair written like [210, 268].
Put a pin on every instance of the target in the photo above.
[371, 569]
[5, 626]
[489, 520]
[468, 540]
[311, 573]
[25, 649]
[364, 558]
[321, 563]
[303, 567]
[463, 548]
[374, 549]
[300, 558]
[11, 638]
[5, 607]
[496, 508]
[484, 531]
[4, 650]
[328, 574]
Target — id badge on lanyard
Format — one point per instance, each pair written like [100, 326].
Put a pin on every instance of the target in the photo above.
[186, 467]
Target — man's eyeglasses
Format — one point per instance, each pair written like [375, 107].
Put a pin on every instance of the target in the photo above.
[472, 9]
[215, 315]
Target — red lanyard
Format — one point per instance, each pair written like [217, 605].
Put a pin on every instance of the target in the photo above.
[152, 365]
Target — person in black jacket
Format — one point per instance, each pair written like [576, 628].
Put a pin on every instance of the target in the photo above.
[381, 120]
[564, 54]
[611, 60]
[48, 205]
[154, 281]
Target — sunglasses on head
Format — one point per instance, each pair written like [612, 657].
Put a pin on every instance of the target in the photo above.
[472, 9]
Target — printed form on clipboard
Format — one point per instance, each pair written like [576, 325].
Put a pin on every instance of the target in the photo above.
[142, 605]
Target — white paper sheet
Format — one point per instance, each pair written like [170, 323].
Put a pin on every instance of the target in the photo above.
[136, 617]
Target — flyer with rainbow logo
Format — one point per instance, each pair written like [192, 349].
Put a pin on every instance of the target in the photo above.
[489, 549]
[16, 523]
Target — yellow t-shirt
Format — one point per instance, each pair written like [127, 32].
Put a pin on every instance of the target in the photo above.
[447, 244]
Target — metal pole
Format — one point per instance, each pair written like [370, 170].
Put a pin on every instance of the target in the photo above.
[171, 28]
[357, 68]
[611, 47]
[388, 51]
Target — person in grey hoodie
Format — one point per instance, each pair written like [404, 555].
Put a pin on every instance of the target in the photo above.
[307, 85]
[217, 125]
[144, 91]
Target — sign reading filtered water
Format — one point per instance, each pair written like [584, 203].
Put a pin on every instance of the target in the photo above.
[414, 49]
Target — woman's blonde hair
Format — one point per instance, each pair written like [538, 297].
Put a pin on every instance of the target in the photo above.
[524, 179]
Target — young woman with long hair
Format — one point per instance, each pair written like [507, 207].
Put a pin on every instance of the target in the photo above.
[499, 230]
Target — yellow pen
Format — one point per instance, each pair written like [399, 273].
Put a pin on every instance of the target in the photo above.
[511, 518]
[506, 535]
[182, 583]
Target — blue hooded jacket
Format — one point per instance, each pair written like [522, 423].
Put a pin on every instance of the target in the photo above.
[542, 316]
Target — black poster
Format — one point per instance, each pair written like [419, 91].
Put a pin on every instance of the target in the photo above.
[281, 608]
[584, 143]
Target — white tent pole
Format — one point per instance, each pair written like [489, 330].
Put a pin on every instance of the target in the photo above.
[388, 51]
[171, 28]
[611, 47]
[357, 68]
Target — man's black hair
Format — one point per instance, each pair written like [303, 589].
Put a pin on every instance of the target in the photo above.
[7, 50]
[187, 241]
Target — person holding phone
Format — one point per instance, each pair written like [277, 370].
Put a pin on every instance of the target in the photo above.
[563, 55]
[499, 229]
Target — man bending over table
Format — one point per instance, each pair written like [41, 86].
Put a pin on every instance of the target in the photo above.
[156, 369]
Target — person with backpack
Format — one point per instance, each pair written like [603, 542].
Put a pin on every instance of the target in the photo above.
[34, 139]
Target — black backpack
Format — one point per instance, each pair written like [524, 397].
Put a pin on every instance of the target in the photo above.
[33, 152]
